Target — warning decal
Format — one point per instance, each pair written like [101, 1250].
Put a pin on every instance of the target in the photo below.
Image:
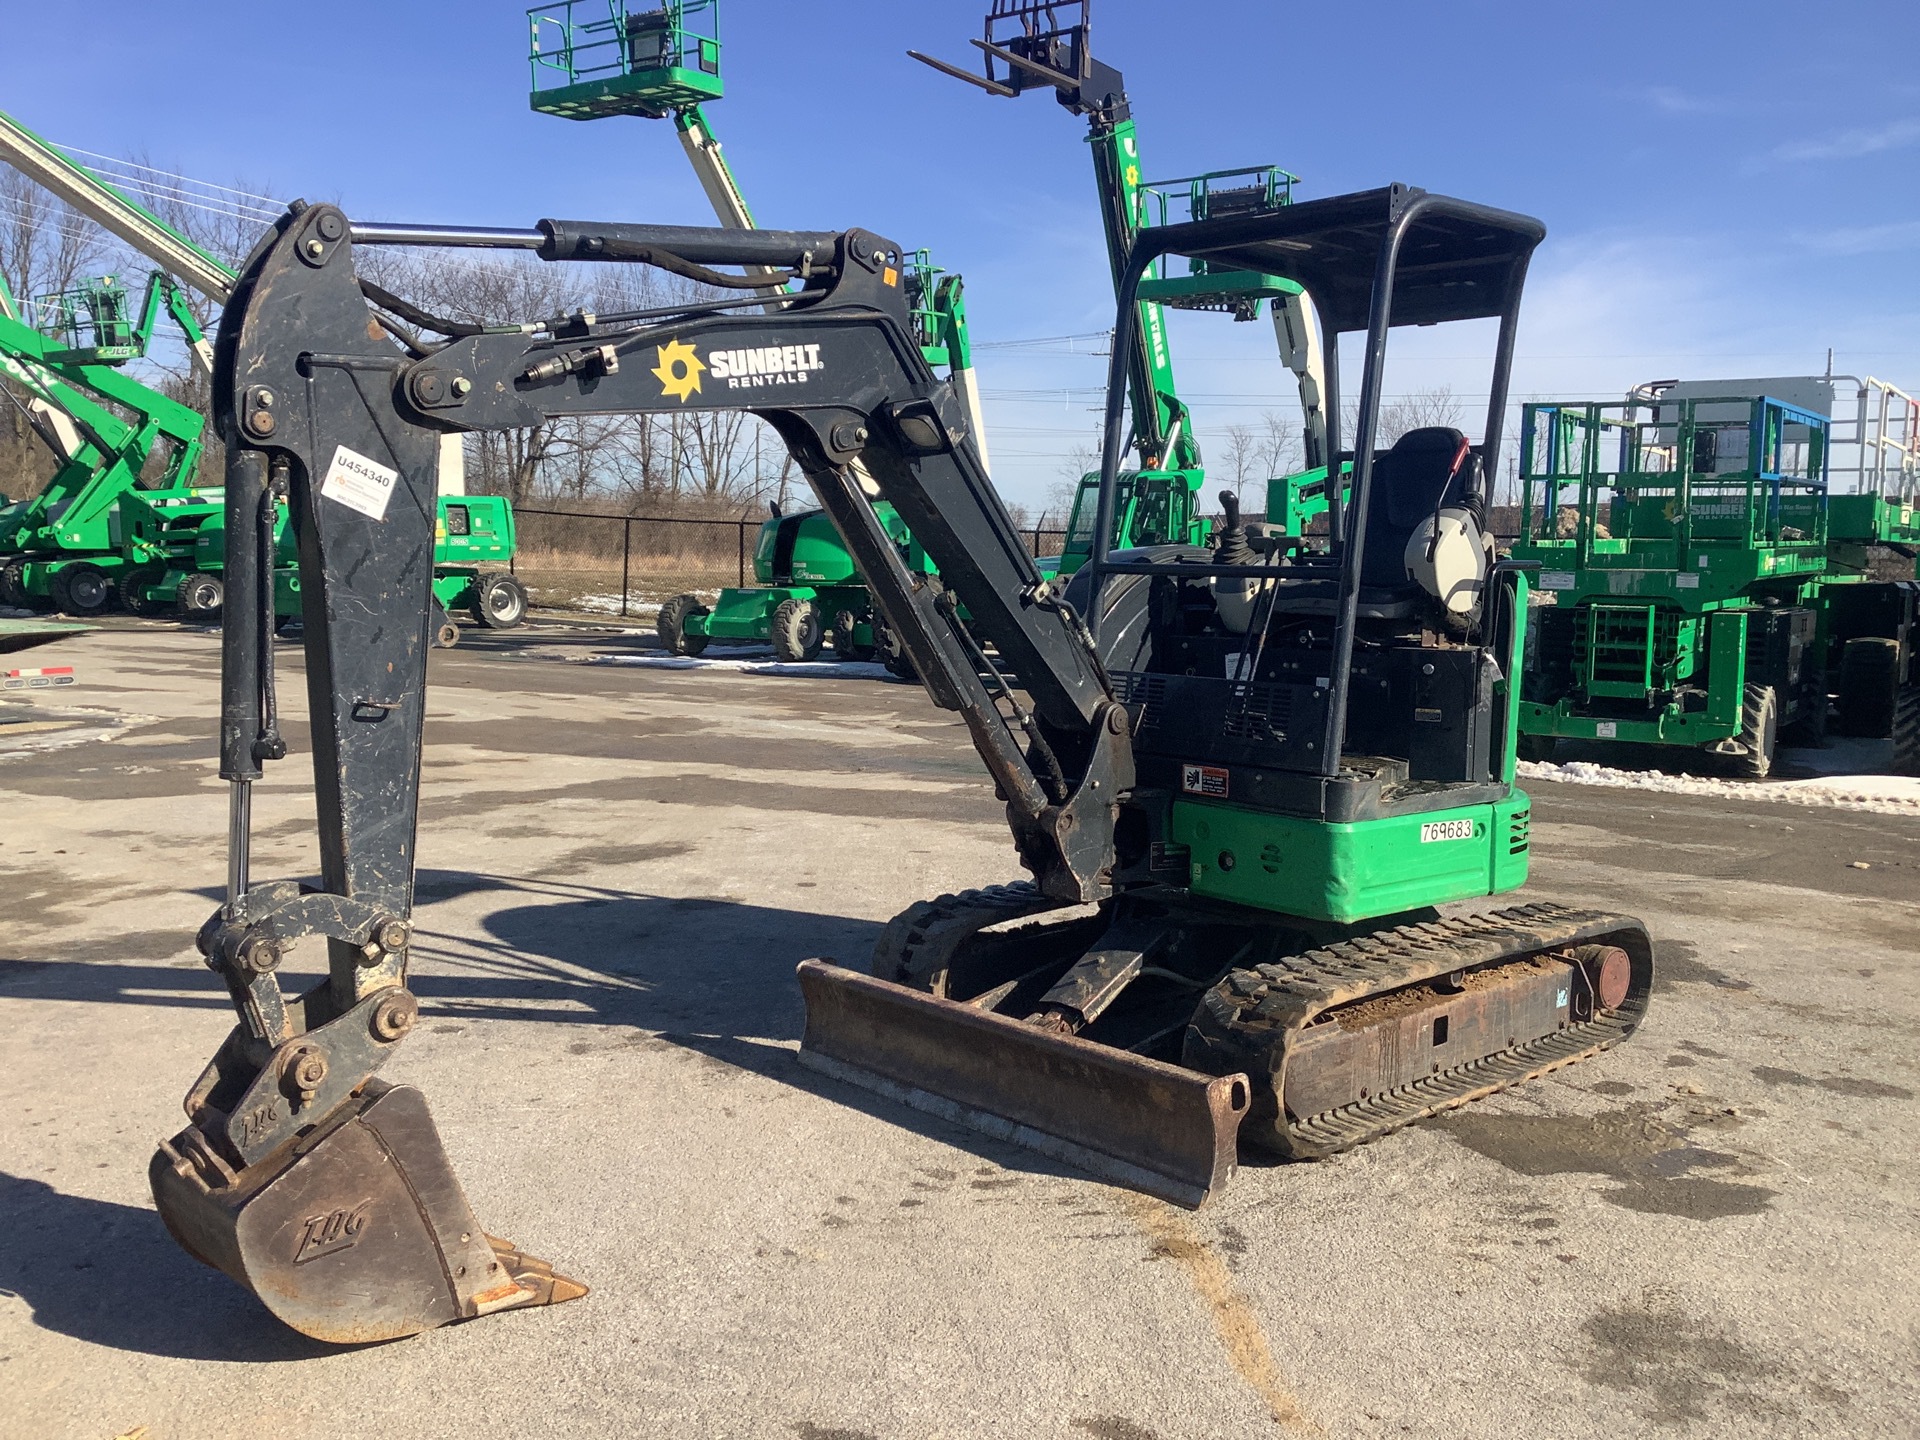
[1207, 780]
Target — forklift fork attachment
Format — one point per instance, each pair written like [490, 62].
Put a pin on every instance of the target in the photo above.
[1135, 1122]
[356, 1233]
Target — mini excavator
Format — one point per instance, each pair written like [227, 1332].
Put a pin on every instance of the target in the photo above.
[1240, 777]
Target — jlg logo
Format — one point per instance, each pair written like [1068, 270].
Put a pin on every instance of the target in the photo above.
[327, 1234]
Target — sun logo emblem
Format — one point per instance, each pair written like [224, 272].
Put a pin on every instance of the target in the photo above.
[679, 370]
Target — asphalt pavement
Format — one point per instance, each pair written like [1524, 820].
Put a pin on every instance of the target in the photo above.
[1708, 1231]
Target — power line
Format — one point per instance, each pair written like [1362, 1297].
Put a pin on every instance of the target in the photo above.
[173, 175]
[1039, 344]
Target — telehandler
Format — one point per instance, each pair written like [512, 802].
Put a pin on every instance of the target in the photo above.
[1240, 779]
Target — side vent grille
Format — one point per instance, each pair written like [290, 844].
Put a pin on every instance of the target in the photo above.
[1263, 712]
[1518, 832]
[1149, 692]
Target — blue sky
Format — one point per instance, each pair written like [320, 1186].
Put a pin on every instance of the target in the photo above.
[1729, 188]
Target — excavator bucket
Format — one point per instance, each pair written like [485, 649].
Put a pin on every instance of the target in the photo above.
[358, 1232]
[1136, 1122]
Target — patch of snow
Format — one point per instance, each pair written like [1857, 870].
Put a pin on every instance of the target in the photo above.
[1878, 794]
[610, 605]
[60, 729]
[744, 660]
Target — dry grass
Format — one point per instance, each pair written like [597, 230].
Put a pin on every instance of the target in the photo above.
[557, 579]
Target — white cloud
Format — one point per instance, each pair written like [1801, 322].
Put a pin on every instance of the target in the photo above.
[1673, 101]
[1852, 144]
[1862, 239]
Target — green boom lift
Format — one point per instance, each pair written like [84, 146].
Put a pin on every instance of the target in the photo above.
[596, 58]
[1045, 44]
[1707, 586]
[168, 544]
[81, 540]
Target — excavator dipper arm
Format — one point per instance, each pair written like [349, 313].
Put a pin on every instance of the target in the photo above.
[315, 1184]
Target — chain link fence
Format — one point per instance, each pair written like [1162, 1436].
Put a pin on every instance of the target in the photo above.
[628, 564]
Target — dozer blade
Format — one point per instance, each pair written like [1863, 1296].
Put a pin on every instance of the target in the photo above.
[358, 1232]
[1136, 1122]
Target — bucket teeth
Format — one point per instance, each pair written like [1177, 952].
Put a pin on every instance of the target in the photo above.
[535, 1277]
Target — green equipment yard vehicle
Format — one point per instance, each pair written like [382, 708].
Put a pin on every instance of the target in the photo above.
[592, 59]
[125, 452]
[473, 542]
[1045, 45]
[807, 593]
[1707, 587]
[167, 539]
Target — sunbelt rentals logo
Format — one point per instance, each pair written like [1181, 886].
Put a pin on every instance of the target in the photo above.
[760, 367]
[679, 370]
[766, 365]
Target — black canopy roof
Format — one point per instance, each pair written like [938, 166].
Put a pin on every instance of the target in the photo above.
[1458, 260]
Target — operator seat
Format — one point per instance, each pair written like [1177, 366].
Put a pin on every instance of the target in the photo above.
[1427, 471]
[1423, 472]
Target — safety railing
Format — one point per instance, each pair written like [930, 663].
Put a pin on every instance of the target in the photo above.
[595, 57]
[1644, 475]
[1876, 449]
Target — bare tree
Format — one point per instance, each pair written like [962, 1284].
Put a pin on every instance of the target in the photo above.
[1417, 410]
[1242, 452]
[45, 246]
[1279, 444]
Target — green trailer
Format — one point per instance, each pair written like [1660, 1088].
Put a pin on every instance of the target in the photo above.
[1702, 586]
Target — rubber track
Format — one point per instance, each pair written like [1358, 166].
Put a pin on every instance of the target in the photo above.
[919, 943]
[1252, 1014]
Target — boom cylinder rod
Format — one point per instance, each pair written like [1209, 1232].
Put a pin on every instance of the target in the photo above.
[453, 236]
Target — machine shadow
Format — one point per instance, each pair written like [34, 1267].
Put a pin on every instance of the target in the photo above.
[110, 1275]
[711, 976]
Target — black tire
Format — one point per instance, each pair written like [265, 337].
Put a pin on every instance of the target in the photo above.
[1759, 731]
[1869, 686]
[133, 587]
[671, 624]
[797, 632]
[1810, 728]
[844, 647]
[1906, 731]
[82, 589]
[1537, 748]
[13, 583]
[201, 596]
[893, 654]
[499, 600]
